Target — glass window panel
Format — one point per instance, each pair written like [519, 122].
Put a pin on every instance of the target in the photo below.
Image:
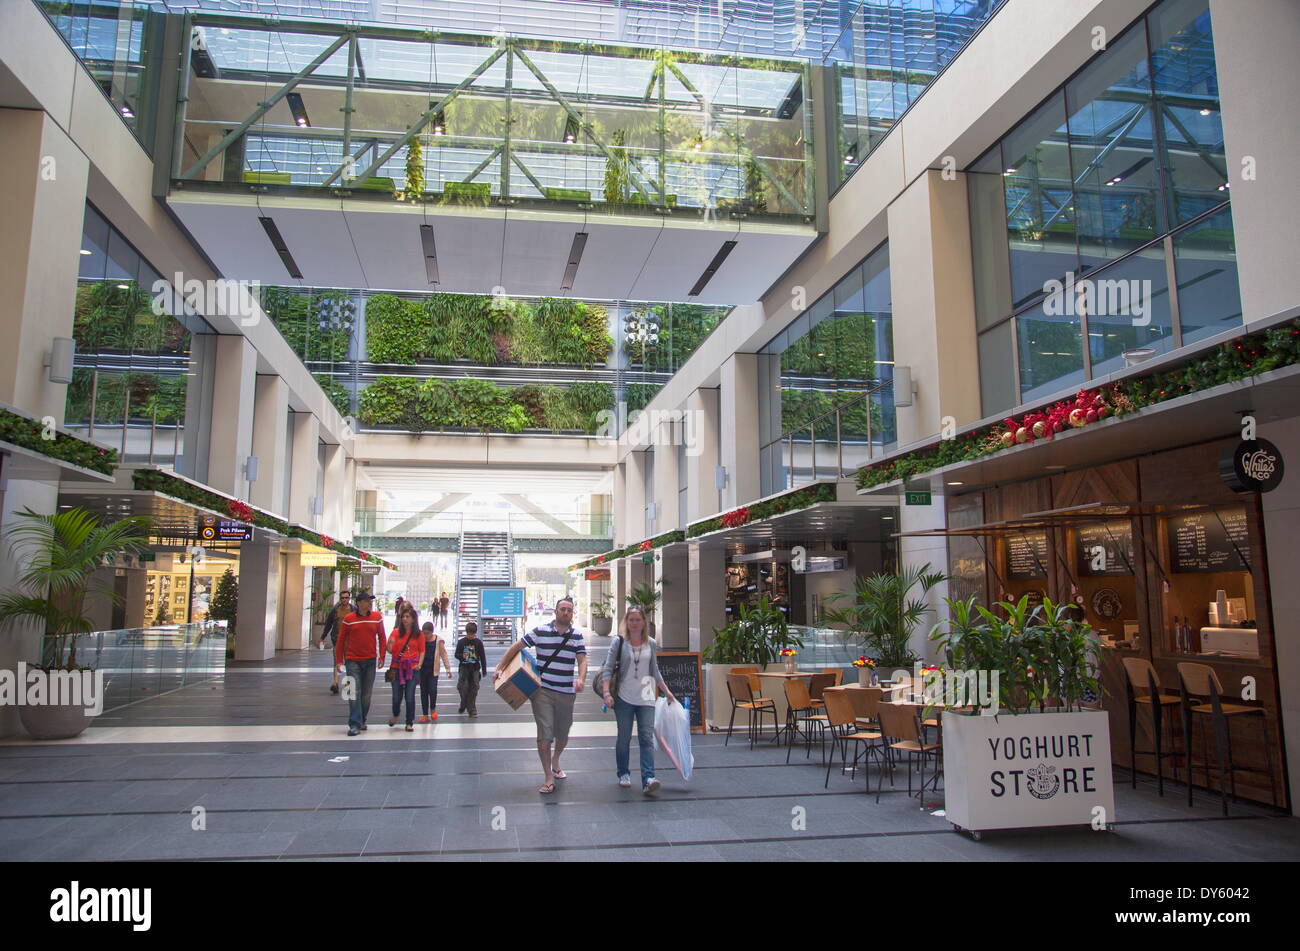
[989, 248]
[1129, 310]
[123, 262]
[1187, 101]
[1051, 351]
[1116, 205]
[94, 239]
[998, 391]
[1039, 192]
[1205, 258]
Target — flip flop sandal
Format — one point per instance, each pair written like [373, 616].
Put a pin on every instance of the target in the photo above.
[547, 789]
[559, 774]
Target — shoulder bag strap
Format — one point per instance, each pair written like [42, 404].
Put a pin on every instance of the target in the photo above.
[551, 659]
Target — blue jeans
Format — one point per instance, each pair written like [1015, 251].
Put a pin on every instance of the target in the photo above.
[645, 736]
[362, 673]
[406, 690]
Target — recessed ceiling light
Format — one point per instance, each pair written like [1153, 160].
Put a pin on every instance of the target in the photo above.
[84, 251]
[956, 483]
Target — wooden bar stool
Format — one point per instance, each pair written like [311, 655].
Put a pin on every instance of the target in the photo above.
[1142, 685]
[1200, 682]
[743, 698]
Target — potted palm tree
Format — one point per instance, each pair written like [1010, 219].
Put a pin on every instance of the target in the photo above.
[645, 596]
[602, 615]
[754, 639]
[884, 613]
[59, 554]
[1027, 746]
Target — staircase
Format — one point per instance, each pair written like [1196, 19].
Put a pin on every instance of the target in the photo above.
[484, 560]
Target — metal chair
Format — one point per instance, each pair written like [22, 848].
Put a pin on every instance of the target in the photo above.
[1201, 682]
[901, 723]
[842, 720]
[800, 710]
[1142, 685]
[743, 698]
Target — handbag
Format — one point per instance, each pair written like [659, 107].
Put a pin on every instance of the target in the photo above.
[391, 673]
[618, 671]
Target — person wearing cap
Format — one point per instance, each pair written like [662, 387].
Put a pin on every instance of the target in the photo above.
[360, 649]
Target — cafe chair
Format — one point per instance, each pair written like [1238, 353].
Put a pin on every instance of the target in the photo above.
[866, 706]
[900, 723]
[743, 698]
[842, 720]
[800, 710]
[816, 684]
[1200, 682]
[1142, 685]
[837, 673]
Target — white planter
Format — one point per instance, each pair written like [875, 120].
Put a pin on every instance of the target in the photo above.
[55, 721]
[717, 702]
[1027, 771]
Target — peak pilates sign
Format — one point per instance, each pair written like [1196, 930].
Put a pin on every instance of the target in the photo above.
[1253, 465]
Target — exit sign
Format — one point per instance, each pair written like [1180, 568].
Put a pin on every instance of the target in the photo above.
[918, 498]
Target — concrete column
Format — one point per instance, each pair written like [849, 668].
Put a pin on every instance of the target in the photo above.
[702, 496]
[1258, 102]
[620, 505]
[933, 293]
[1282, 534]
[234, 389]
[302, 487]
[296, 633]
[707, 594]
[259, 600]
[738, 415]
[43, 194]
[916, 552]
[137, 580]
[343, 496]
[367, 501]
[19, 642]
[672, 612]
[331, 522]
[634, 500]
[665, 479]
[270, 425]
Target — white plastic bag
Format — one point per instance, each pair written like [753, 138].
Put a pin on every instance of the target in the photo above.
[673, 728]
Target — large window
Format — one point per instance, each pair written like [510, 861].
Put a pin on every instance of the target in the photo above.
[1101, 230]
[825, 383]
[129, 388]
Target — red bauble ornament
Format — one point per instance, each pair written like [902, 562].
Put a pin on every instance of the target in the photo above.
[1103, 411]
[1077, 418]
[1040, 429]
[1090, 416]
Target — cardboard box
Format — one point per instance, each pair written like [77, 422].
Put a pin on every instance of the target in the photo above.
[519, 680]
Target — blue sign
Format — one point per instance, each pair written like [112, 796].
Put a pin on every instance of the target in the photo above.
[501, 602]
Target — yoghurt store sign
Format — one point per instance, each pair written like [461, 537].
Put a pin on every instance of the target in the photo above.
[1010, 772]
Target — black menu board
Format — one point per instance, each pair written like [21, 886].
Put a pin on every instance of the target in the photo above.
[1115, 539]
[1209, 541]
[1027, 555]
[681, 671]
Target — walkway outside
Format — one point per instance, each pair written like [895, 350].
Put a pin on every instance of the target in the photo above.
[253, 749]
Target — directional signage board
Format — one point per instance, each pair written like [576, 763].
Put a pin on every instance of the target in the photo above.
[212, 529]
[501, 602]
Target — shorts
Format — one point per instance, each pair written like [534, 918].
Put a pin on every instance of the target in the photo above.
[553, 712]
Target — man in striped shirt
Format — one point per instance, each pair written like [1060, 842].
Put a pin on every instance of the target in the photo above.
[559, 649]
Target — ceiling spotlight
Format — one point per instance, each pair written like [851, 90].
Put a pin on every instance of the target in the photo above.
[298, 110]
[84, 251]
[1205, 112]
[439, 122]
[571, 130]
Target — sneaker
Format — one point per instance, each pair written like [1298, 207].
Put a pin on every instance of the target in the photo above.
[334, 688]
[460, 710]
[424, 719]
[392, 721]
[625, 781]
[364, 727]
[352, 732]
[652, 787]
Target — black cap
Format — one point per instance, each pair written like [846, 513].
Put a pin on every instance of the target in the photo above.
[363, 596]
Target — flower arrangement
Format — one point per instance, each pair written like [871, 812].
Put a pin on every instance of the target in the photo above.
[240, 510]
[865, 661]
[326, 541]
[736, 517]
[645, 545]
[788, 652]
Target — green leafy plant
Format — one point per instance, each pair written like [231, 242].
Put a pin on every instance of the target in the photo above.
[225, 599]
[397, 331]
[618, 185]
[30, 434]
[414, 170]
[884, 612]
[58, 555]
[1043, 655]
[602, 607]
[644, 596]
[757, 636]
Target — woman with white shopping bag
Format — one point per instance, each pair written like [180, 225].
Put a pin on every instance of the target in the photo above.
[627, 681]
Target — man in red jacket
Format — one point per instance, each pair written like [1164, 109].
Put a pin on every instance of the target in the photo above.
[359, 647]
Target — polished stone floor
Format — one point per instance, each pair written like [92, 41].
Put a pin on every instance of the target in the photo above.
[248, 756]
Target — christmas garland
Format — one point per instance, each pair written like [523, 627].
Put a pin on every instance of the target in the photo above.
[779, 505]
[1238, 359]
[28, 433]
[649, 544]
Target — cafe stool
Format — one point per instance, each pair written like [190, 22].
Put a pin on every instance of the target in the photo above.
[1199, 682]
[901, 723]
[1142, 685]
[842, 718]
[742, 694]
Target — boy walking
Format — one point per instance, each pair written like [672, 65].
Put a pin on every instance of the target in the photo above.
[473, 667]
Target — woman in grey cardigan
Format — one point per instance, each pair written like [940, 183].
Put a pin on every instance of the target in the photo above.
[628, 682]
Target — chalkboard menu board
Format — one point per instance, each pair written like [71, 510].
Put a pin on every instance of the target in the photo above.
[1210, 541]
[681, 671]
[1115, 539]
[1027, 555]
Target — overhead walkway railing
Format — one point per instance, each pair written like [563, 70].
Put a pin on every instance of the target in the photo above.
[424, 531]
[438, 118]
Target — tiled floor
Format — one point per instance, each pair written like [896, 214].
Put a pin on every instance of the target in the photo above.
[256, 775]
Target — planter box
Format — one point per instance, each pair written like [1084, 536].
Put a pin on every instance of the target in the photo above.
[717, 700]
[1027, 771]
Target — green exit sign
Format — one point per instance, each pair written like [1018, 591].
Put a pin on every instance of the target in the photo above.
[918, 498]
